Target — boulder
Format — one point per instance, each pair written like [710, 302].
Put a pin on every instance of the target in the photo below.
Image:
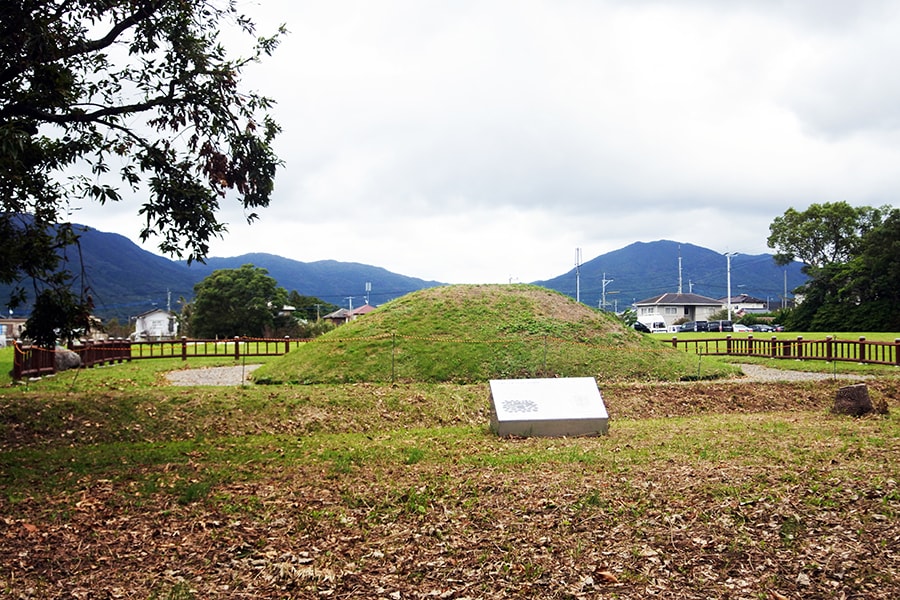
[853, 400]
[65, 359]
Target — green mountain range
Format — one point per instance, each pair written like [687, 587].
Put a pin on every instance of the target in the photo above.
[126, 280]
[646, 269]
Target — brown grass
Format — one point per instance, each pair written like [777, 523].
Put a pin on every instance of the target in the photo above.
[731, 490]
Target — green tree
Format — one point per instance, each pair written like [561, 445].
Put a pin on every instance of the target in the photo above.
[236, 302]
[834, 241]
[97, 94]
[823, 234]
[871, 280]
[115, 329]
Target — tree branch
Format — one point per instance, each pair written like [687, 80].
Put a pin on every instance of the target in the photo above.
[144, 12]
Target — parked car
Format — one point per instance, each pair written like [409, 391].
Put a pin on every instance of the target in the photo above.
[740, 327]
[694, 326]
[761, 327]
[638, 326]
[656, 326]
[721, 326]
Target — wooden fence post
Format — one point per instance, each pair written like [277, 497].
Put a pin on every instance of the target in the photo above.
[237, 348]
[828, 350]
[863, 353]
[799, 346]
[18, 360]
[89, 355]
[183, 348]
[287, 344]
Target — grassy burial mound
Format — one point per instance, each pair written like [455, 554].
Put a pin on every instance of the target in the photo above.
[472, 333]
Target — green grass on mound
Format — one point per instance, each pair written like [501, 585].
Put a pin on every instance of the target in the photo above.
[471, 333]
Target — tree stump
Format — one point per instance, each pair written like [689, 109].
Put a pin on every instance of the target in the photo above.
[853, 400]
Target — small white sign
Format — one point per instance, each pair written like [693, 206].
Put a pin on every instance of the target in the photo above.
[567, 406]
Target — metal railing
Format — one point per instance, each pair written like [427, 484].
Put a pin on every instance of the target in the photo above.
[828, 349]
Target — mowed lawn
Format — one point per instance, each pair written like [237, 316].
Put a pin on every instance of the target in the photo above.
[117, 485]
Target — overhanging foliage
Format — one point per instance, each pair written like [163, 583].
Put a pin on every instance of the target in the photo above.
[97, 94]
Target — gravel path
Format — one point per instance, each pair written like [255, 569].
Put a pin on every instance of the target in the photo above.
[212, 375]
[758, 373]
[238, 375]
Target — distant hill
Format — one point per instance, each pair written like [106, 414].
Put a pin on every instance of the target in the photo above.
[329, 280]
[125, 280]
[646, 269]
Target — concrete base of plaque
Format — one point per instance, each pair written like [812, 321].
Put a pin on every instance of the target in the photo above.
[570, 406]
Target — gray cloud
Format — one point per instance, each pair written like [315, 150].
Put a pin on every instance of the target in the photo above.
[483, 141]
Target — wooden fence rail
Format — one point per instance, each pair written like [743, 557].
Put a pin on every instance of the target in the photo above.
[34, 361]
[828, 349]
[31, 361]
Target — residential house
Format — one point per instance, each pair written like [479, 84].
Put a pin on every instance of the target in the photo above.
[672, 307]
[744, 303]
[338, 317]
[156, 324]
[11, 328]
[342, 315]
[362, 310]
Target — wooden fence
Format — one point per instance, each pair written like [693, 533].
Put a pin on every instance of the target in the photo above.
[828, 349]
[31, 361]
[34, 361]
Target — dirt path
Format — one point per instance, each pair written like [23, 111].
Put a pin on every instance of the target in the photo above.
[219, 376]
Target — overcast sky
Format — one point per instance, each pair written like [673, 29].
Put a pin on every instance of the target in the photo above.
[484, 141]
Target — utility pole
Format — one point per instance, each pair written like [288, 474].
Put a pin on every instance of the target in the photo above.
[784, 298]
[577, 274]
[604, 281]
[728, 256]
[368, 289]
[679, 268]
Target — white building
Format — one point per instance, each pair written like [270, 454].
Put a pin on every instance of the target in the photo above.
[156, 324]
[744, 303]
[671, 307]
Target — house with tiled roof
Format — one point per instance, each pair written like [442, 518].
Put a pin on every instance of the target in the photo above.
[671, 307]
[342, 315]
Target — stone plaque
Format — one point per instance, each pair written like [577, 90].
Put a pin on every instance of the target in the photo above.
[567, 406]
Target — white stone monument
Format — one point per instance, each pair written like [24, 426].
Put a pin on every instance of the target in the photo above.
[569, 406]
